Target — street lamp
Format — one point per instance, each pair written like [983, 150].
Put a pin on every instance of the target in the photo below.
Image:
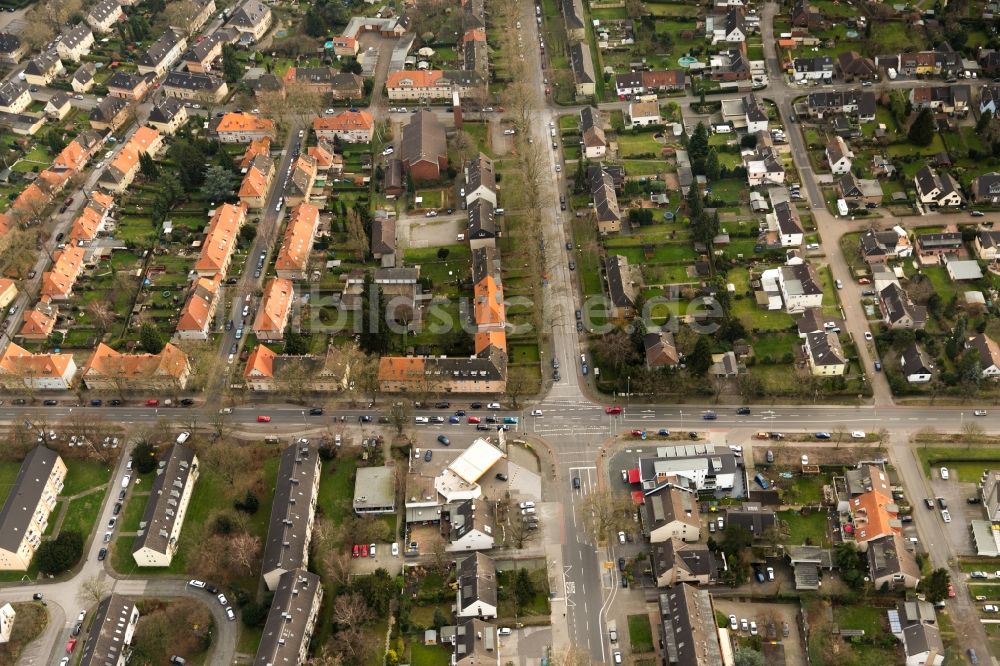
[628, 391]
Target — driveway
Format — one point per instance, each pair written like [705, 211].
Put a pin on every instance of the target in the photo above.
[420, 231]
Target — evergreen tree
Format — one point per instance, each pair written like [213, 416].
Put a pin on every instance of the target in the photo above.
[712, 168]
[232, 70]
[698, 145]
[700, 359]
[150, 338]
[922, 130]
[147, 167]
[984, 122]
[374, 336]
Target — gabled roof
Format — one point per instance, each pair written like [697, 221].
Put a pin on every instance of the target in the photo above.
[25, 495]
[106, 362]
[220, 237]
[351, 120]
[244, 122]
[384, 235]
[298, 240]
[423, 139]
[160, 49]
[160, 515]
[481, 174]
[582, 63]
[915, 361]
[195, 313]
[165, 110]
[825, 349]
[620, 287]
[274, 306]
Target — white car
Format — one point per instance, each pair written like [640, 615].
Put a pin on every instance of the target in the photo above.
[990, 608]
[528, 512]
[753, 628]
[805, 459]
[389, 150]
[621, 538]
[200, 584]
[945, 516]
[402, 109]
[222, 599]
[980, 412]
[733, 623]
[395, 549]
[504, 631]
[944, 473]
[330, 112]
[830, 324]
[125, 481]
[536, 412]
[526, 505]
[770, 573]
[422, 419]
[83, 614]
[858, 434]
[509, 132]
[230, 614]
[839, 284]
[868, 336]
[493, 405]
[744, 625]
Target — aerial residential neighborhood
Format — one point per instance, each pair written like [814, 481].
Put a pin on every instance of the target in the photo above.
[499, 332]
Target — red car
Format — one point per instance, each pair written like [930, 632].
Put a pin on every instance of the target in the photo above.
[364, 550]
[638, 433]
[613, 410]
[152, 403]
[356, 549]
[263, 419]
[474, 419]
[864, 281]
[70, 645]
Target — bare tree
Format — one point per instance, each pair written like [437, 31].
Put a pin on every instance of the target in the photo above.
[439, 557]
[226, 459]
[102, 316]
[400, 414]
[351, 610]
[357, 239]
[93, 590]
[244, 549]
[605, 513]
[517, 383]
[520, 530]
[839, 431]
[180, 15]
[972, 433]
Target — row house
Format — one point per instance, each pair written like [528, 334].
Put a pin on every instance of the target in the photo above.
[483, 373]
[112, 371]
[606, 211]
[292, 262]
[939, 244]
[162, 54]
[293, 513]
[349, 126]
[943, 62]
[275, 310]
[236, 127]
[816, 68]
[480, 180]
[621, 287]
[256, 181]
[268, 371]
[641, 82]
[195, 86]
[195, 322]
[858, 104]
[324, 80]
[582, 64]
[75, 43]
[418, 85]
[122, 170]
[220, 240]
[255, 148]
[947, 99]
[20, 368]
[59, 280]
[937, 190]
[852, 66]
[574, 18]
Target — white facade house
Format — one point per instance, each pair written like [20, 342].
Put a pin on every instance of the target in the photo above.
[110, 639]
[470, 528]
[839, 156]
[763, 167]
[7, 616]
[25, 514]
[160, 528]
[755, 114]
[713, 469]
[934, 189]
[800, 287]
[476, 576]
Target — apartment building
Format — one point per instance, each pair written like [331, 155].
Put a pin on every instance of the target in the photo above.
[293, 257]
[195, 322]
[111, 632]
[160, 528]
[243, 128]
[220, 240]
[113, 371]
[275, 310]
[291, 620]
[25, 515]
[293, 513]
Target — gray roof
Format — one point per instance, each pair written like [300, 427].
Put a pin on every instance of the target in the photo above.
[165, 110]
[108, 109]
[198, 51]
[620, 287]
[573, 14]
[482, 219]
[602, 189]
[41, 63]
[290, 622]
[752, 517]
[75, 35]
[105, 644]
[667, 504]
[582, 63]
[9, 43]
[888, 556]
[193, 81]
[287, 545]
[694, 558]
[921, 638]
[383, 235]
[485, 262]
[949, 240]
[475, 643]
[159, 49]
[788, 219]
[25, 494]
[161, 507]
[84, 73]
[250, 13]
[481, 174]
[99, 12]
[914, 361]
[465, 518]
[898, 305]
[423, 139]
[374, 486]
[754, 109]
[477, 580]
[801, 279]
[825, 349]
[11, 90]
[125, 80]
[689, 632]
[489, 365]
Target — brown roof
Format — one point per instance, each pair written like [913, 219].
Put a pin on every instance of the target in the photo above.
[424, 139]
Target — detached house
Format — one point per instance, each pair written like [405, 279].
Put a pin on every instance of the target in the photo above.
[252, 20]
[860, 191]
[275, 310]
[424, 150]
[674, 562]
[989, 354]
[729, 27]
[467, 526]
[755, 114]
[660, 350]
[916, 365]
[899, 310]
[621, 288]
[852, 66]
[163, 53]
[986, 189]
[987, 245]
[763, 167]
[199, 57]
[784, 227]
[167, 115]
[937, 190]
[824, 354]
[839, 156]
[642, 114]
[83, 78]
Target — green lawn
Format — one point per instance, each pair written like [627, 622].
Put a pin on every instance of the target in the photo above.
[776, 345]
[429, 655]
[336, 489]
[638, 145]
[755, 318]
[640, 633]
[809, 528]
[943, 284]
[82, 513]
[968, 463]
[8, 473]
[83, 475]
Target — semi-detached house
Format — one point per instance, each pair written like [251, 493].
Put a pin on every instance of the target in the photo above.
[350, 126]
[103, 16]
[162, 53]
[75, 43]
[252, 20]
[20, 368]
[275, 310]
[110, 370]
[292, 262]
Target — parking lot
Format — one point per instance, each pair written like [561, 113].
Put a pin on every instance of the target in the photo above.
[767, 616]
[955, 494]
[525, 646]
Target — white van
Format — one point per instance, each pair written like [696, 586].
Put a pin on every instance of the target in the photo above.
[183, 437]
